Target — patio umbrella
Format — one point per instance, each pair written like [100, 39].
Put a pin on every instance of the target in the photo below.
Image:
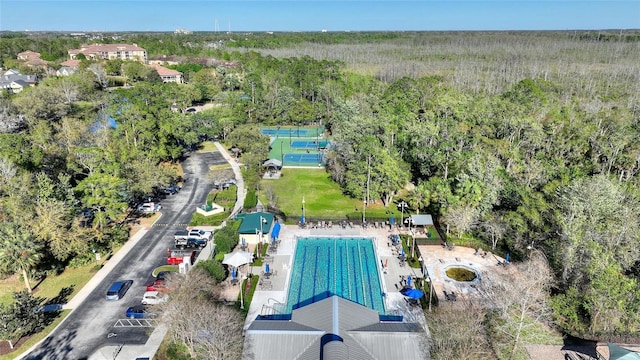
[412, 293]
[266, 268]
[392, 220]
[244, 243]
[234, 273]
[506, 258]
[409, 280]
[402, 252]
[396, 239]
[302, 219]
[386, 263]
[237, 258]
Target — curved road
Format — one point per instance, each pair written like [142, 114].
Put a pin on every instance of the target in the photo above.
[86, 328]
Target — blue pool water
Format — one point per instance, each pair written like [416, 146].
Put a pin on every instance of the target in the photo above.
[324, 267]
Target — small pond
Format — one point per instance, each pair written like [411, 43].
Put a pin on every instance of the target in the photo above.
[461, 273]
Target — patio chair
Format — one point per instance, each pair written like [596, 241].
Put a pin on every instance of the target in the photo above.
[330, 224]
[351, 224]
[322, 224]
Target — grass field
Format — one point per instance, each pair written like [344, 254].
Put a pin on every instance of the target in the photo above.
[323, 198]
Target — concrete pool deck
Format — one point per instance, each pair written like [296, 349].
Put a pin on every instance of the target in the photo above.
[282, 261]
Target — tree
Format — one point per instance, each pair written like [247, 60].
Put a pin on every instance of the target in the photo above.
[518, 295]
[10, 120]
[210, 330]
[106, 195]
[100, 75]
[19, 249]
[21, 318]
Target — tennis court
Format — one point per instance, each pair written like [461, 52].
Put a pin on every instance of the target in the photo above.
[303, 159]
[308, 144]
[300, 131]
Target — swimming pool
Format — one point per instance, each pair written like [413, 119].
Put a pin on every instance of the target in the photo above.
[324, 267]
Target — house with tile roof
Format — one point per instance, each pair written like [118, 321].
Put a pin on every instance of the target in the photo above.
[31, 58]
[168, 75]
[66, 71]
[125, 52]
[71, 63]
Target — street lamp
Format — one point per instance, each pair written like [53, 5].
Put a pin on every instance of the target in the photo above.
[364, 211]
[303, 209]
[413, 239]
[262, 222]
[402, 205]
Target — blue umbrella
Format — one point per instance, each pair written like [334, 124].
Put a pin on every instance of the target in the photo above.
[302, 219]
[402, 251]
[397, 238]
[234, 273]
[506, 258]
[243, 242]
[409, 280]
[392, 220]
[266, 268]
[412, 293]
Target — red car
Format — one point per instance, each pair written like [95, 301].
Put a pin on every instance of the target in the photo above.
[157, 285]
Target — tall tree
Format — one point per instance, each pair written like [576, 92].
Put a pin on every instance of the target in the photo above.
[19, 249]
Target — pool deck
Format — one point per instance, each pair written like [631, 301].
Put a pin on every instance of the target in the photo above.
[276, 290]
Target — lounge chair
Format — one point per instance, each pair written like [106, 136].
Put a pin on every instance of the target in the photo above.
[321, 224]
[330, 224]
[351, 224]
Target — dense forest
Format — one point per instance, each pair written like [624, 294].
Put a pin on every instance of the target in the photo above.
[519, 140]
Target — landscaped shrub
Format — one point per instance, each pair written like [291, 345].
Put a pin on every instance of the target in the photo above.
[214, 268]
[251, 199]
[226, 238]
[198, 219]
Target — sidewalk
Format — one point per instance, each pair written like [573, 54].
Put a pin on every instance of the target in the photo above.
[239, 180]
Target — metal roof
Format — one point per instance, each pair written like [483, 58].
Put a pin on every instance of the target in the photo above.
[251, 222]
[421, 220]
[334, 328]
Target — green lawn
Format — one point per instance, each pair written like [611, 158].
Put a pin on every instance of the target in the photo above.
[323, 198]
[51, 286]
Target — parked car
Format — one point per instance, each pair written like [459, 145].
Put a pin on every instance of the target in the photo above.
[118, 289]
[162, 275]
[139, 312]
[149, 207]
[171, 189]
[157, 285]
[153, 298]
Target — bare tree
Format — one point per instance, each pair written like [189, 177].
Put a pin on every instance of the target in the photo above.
[209, 329]
[468, 339]
[100, 74]
[519, 296]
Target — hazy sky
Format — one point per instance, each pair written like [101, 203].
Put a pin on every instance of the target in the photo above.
[315, 15]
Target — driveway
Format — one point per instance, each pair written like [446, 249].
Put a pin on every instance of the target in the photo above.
[87, 328]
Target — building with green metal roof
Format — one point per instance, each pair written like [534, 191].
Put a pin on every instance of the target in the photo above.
[255, 227]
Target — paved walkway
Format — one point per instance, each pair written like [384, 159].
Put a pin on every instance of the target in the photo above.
[242, 192]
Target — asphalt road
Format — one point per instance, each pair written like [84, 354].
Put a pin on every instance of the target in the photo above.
[86, 329]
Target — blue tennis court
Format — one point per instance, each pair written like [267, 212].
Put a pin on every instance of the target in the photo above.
[285, 132]
[324, 267]
[309, 144]
[303, 158]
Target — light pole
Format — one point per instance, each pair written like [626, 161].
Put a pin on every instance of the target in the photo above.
[402, 205]
[305, 219]
[241, 286]
[262, 222]
[364, 211]
[413, 239]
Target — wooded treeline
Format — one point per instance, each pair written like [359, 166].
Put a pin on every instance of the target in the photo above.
[521, 140]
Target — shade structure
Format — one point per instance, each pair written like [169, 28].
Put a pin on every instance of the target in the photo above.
[619, 353]
[412, 293]
[275, 232]
[266, 268]
[237, 258]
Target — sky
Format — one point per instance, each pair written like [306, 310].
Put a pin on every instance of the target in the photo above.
[317, 15]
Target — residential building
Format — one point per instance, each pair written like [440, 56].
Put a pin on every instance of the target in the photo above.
[124, 52]
[31, 58]
[168, 75]
[13, 81]
[71, 63]
[66, 71]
